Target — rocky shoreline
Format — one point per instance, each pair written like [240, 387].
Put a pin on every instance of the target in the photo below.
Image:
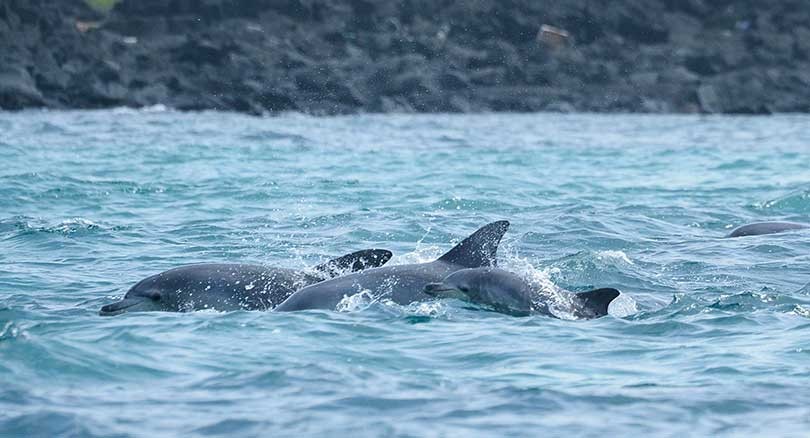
[335, 57]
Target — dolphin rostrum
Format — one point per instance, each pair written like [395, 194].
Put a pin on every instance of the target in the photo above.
[227, 287]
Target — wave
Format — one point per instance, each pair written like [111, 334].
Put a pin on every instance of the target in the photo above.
[797, 202]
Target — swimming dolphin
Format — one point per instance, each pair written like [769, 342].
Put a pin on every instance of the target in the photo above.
[508, 293]
[760, 228]
[227, 287]
[403, 284]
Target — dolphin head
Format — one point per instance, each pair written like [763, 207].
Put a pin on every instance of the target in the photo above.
[491, 287]
[146, 296]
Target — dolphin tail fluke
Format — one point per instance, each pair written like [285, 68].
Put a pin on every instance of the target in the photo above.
[356, 261]
[480, 248]
[595, 302]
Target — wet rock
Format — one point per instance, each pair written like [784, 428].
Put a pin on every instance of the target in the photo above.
[453, 80]
[735, 93]
[560, 107]
[150, 94]
[708, 98]
[201, 52]
[640, 23]
[332, 56]
[18, 89]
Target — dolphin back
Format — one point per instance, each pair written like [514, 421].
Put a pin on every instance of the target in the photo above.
[479, 249]
[594, 303]
[356, 261]
[760, 228]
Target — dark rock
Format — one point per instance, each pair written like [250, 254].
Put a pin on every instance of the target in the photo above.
[708, 98]
[18, 89]
[801, 38]
[149, 95]
[200, 52]
[736, 93]
[453, 80]
[560, 107]
[698, 8]
[641, 23]
[339, 56]
[703, 64]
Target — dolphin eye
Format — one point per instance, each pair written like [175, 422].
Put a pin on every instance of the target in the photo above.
[464, 289]
[154, 296]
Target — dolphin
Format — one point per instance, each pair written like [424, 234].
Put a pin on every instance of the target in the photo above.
[227, 287]
[508, 293]
[403, 284]
[759, 228]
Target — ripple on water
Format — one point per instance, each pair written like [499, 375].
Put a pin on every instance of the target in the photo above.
[797, 202]
[709, 337]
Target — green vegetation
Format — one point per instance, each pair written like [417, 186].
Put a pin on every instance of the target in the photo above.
[102, 5]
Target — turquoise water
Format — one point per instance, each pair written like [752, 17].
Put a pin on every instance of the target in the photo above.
[710, 337]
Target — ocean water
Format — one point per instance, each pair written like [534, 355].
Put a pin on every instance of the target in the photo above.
[711, 336]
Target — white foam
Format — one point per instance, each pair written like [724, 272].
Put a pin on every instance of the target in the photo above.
[75, 224]
[622, 306]
[614, 255]
[11, 331]
[558, 300]
[422, 254]
[356, 302]
[427, 308]
[801, 311]
[125, 110]
[158, 108]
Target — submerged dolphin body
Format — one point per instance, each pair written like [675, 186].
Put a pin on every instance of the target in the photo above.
[227, 287]
[760, 228]
[505, 292]
[403, 284]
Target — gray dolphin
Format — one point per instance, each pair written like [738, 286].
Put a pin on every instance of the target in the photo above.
[760, 228]
[227, 287]
[403, 284]
[508, 293]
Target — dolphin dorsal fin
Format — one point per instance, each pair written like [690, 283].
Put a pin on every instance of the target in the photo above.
[479, 249]
[356, 261]
[595, 302]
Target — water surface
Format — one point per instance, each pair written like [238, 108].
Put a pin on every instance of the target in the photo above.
[711, 336]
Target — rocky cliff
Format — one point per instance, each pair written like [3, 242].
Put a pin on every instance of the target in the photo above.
[341, 56]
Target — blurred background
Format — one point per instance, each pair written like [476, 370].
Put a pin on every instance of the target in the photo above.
[347, 56]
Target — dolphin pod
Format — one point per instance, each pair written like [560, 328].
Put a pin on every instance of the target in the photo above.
[403, 284]
[508, 293]
[760, 228]
[468, 272]
[227, 287]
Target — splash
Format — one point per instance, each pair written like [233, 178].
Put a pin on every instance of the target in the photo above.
[421, 254]
[614, 255]
[433, 309]
[797, 202]
[356, 302]
[623, 306]
[558, 301]
[12, 331]
[802, 310]
[74, 225]
[158, 108]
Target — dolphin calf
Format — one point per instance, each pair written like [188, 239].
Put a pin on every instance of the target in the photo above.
[760, 228]
[227, 287]
[403, 284]
[508, 293]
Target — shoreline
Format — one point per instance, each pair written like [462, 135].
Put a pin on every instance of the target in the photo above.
[331, 57]
[160, 108]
